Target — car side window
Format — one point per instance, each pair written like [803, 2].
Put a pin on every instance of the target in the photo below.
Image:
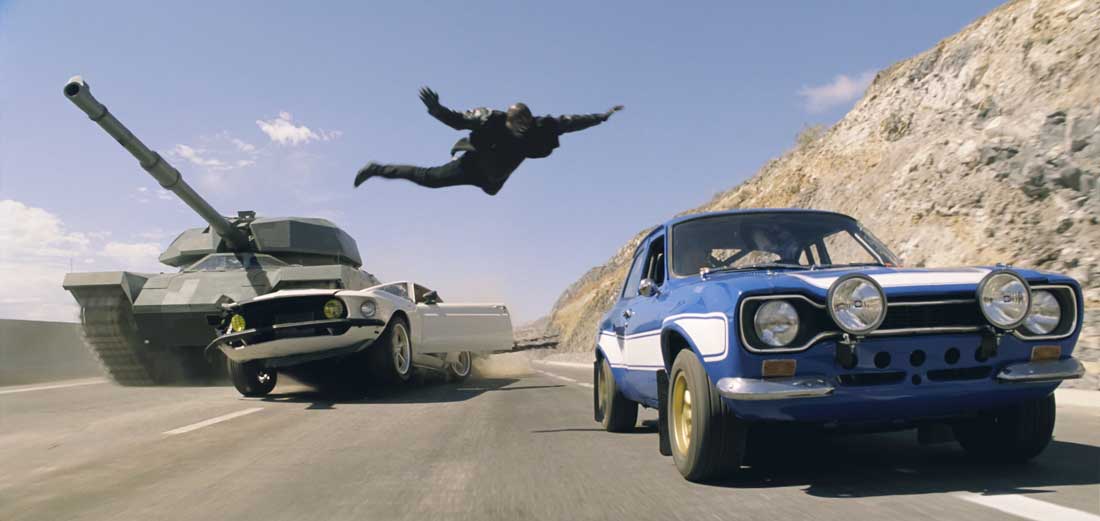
[634, 278]
[400, 290]
[655, 261]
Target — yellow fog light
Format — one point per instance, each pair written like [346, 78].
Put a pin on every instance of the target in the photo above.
[333, 309]
[236, 324]
[1040, 353]
[778, 368]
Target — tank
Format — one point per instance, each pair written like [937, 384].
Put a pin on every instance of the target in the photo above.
[152, 328]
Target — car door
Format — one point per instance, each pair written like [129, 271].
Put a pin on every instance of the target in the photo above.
[453, 327]
[643, 331]
[613, 330]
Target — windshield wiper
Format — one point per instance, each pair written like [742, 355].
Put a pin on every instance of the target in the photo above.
[762, 266]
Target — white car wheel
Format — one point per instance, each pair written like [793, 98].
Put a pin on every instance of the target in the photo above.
[461, 368]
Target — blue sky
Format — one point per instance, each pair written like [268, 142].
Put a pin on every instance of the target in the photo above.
[712, 91]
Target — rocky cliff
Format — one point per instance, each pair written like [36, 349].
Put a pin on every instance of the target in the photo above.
[983, 149]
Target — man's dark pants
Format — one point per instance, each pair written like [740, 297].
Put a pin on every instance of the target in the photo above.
[464, 170]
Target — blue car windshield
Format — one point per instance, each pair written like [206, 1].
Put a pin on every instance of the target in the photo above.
[790, 240]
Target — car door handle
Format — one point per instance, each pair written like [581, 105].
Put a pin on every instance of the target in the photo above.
[627, 314]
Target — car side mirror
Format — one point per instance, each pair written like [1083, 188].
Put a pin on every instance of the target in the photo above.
[648, 288]
[431, 297]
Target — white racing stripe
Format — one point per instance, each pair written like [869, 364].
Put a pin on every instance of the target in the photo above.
[1027, 508]
[72, 383]
[212, 421]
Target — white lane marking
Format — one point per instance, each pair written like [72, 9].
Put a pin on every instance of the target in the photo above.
[565, 379]
[1027, 508]
[581, 365]
[72, 383]
[212, 421]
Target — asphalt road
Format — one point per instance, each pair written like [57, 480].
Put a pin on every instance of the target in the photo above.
[520, 445]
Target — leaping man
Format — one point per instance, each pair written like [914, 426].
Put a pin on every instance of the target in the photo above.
[497, 144]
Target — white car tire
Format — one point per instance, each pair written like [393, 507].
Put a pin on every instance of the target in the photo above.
[461, 369]
[390, 357]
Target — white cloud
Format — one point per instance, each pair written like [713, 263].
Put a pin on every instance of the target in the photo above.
[27, 231]
[841, 90]
[247, 148]
[283, 131]
[37, 250]
[135, 256]
[196, 156]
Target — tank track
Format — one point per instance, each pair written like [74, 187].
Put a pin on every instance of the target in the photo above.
[111, 334]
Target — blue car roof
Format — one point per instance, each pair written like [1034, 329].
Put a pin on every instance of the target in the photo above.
[694, 216]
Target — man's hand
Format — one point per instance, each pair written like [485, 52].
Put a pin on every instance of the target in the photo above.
[613, 110]
[430, 98]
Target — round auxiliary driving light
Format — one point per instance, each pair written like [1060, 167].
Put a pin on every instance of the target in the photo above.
[776, 323]
[368, 308]
[1045, 313]
[237, 324]
[857, 304]
[1004, 299]
[333, 309]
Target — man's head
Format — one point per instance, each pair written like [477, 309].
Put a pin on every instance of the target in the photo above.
[519, 118]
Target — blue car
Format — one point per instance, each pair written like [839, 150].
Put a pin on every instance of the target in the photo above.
[729, 321]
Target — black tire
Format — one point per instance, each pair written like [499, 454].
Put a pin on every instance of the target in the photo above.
[619, 414]
[251, 379]
[461, 370]
[385, 365]
[714, 438]
[1011, 435]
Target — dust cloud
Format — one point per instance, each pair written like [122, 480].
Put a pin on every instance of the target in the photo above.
[504, 365]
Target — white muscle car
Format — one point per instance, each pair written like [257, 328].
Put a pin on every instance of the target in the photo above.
[399, 327]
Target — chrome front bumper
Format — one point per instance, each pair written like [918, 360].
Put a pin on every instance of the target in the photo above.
[774, 388]
[269, 342]
[1048, 371]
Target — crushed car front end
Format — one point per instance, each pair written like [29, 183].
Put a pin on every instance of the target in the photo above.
[289, 328]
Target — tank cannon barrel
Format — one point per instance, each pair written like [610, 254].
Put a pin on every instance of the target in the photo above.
[78, 92]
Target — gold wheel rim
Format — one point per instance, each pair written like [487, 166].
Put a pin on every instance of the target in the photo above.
[681, 413]
[605, 389]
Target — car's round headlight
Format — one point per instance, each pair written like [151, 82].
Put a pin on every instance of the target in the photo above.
[368, 308]
[333, 309]
[1046, 313]
[1004, 299]
[857, 304]
[237, 324]
[776, 323]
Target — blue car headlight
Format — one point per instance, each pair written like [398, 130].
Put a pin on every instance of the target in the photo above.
[1045, 314]
[857, 304]
[776, 323]
[1004, 298]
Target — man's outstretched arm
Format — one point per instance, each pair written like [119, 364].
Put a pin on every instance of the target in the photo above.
[469, 120]
[583, 121]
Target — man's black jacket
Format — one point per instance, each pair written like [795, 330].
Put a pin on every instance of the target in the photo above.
[500, 150]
